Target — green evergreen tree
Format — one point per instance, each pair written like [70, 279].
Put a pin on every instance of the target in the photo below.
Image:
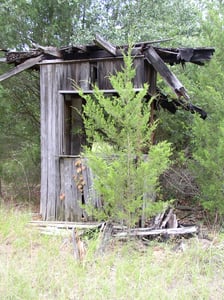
[208, 135]
[119, 130]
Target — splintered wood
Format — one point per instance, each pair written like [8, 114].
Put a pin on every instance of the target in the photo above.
[166, 219]
[77, 233]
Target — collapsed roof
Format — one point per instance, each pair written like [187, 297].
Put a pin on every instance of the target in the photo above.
[156, 56]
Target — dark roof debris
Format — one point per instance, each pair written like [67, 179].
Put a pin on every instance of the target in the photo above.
[104, 49]
[158, 57]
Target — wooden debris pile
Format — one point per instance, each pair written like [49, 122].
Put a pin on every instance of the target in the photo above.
[165, 225]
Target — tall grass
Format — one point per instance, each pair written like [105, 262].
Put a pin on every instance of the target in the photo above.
[35, 266]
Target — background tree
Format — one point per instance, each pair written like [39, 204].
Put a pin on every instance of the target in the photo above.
[65, 22]
[208, 136]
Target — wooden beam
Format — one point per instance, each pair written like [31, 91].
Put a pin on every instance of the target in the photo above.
[76, 92]
[22, 67]
[105, 45]
[154, 59]
[49, 50]
[69, 49]
[141, 44]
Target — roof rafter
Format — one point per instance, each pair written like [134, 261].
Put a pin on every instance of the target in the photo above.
[159, 65]
[22, 67]
[105, 45]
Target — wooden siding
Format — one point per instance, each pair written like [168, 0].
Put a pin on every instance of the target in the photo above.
[110, 67]
[76, 190]
[52, 79]
[61, 198]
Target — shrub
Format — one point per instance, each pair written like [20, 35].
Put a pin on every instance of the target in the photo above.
[119, 129]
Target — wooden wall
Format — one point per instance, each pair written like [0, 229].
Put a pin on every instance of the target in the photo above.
[60, 197]
[55, 77]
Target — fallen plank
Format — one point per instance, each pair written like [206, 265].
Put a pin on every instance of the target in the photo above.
[168, 231]
[65, 225]
[159, 65]
[22, 67]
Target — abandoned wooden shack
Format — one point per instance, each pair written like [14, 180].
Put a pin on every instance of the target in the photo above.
[66, 182]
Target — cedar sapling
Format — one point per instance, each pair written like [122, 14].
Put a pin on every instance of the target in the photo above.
[118, 129]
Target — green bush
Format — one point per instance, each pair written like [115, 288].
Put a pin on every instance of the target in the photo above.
[208, 135]
[119, 128]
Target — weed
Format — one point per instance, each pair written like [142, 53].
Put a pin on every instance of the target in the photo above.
[34, 266]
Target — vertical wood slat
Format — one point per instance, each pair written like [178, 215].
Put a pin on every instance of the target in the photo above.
[52, 144]
[73, 197]
[44, 148]
[53, 78]
[71, 170]
[105, 69]
[139, 79]
[60, 210]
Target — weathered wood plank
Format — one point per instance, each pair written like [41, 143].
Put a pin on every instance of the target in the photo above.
[49, 50]
[22, 67]
[66, 225]
[59, 196]
[44, 142]
[139, 79]
[153, 58]
[105, 45]
[110, 91]
[60, 205]
[89, 59]
[168, 231]
[73, 196]
[51, 142]
[105, 69]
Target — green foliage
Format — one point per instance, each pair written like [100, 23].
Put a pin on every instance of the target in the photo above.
[207, 85]
[209, 155]
[19, 135]
[60, 22]
[65, 22]
[124, 176]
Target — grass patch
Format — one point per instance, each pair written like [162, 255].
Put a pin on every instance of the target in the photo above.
[35, 266]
